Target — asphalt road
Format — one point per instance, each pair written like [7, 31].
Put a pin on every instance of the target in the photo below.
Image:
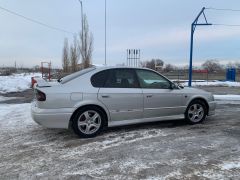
[164, 150]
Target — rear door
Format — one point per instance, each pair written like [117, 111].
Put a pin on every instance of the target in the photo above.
[122, 95]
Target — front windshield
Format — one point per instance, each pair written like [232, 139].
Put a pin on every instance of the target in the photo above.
[75, 75]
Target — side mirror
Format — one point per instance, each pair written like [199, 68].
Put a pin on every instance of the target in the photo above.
[176, 86]
[173, 86]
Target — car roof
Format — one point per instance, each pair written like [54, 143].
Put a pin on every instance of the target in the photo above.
[119, 67]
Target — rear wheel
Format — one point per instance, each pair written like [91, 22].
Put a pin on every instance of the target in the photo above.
[89, 122]
[196, 112]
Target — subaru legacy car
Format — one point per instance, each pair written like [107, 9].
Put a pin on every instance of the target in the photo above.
[94, 98]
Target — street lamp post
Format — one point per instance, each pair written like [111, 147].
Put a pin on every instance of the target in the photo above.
[105, 27]
[82, 19]
[105, 32]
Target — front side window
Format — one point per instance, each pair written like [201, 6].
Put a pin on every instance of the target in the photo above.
[152, 80]
[122, 78]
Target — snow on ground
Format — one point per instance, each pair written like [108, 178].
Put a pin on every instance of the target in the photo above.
[213, 83]
[227, 99]
[230, 165]
[3, 98]
[16, 82]
[153, 151]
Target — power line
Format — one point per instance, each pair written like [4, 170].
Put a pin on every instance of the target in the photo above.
[35, 21]
[219, 9]
[231, 25]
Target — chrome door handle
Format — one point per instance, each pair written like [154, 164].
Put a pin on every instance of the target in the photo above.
[105, 96]
[149, 96]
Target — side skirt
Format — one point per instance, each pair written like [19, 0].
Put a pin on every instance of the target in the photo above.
[137, 121]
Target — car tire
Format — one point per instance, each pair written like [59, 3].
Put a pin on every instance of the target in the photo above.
[89, 122]
[196, 112]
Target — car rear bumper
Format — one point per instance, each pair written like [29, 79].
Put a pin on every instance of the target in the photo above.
[51, 118]
[212, 107]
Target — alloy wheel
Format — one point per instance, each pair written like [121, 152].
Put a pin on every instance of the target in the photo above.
[196, 113]
[89, 122]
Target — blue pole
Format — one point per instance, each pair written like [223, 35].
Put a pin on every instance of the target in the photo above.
[191, 57]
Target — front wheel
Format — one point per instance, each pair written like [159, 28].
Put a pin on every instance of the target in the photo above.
[196, 112]
[88, 122]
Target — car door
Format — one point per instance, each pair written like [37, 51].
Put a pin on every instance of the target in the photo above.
[122, 95]
[160, 98]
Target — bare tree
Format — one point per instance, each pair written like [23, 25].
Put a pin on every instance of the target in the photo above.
[153, 64]
[169, 67]
[212, 66]
[237, 65]
[65, 58]
[230, 65]
[233, 65]
[74, 55]
[86, 44]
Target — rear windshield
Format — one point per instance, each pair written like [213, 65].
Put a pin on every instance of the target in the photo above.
[75, 75]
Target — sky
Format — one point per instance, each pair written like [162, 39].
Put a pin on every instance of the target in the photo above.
[160, 28]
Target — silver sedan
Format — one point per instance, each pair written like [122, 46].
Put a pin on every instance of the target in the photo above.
[94, 98]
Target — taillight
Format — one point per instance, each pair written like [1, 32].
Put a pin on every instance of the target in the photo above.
[40, 96]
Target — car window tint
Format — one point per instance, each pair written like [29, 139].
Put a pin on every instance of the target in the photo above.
[99, 79]
[122, 78]
[75, 75]
[152, 80]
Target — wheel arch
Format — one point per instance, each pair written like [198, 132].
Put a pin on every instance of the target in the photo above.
[88, 106]
[200, 99]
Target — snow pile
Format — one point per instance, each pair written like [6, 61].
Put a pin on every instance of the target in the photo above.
[228, 97]
[2, 98]
[214, 83]
[16, 82]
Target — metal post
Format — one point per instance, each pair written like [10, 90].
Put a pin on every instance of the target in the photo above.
[139, 57]
[127, 57]
[105, 32]
[194, 24]
[82, 20]
[42, 68]
[191, 57]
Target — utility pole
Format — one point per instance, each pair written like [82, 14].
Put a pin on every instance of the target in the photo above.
[105, 32]
[82, 19]
[193, 27]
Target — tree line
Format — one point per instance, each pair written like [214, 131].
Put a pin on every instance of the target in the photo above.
[80, 48]
[210, 65]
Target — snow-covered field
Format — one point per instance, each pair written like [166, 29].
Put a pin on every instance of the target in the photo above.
[227, 99]
[3, 98]
[16, 82]
[213, 83]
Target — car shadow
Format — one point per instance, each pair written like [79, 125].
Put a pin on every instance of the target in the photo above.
[149, 125]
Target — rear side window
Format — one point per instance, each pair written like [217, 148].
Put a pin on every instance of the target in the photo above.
[75, 75]
[122, 78]
[98, 80]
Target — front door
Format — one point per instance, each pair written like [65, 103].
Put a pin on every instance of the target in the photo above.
[160, 98]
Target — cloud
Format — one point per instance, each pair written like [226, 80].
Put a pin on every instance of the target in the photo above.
[172, 37]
